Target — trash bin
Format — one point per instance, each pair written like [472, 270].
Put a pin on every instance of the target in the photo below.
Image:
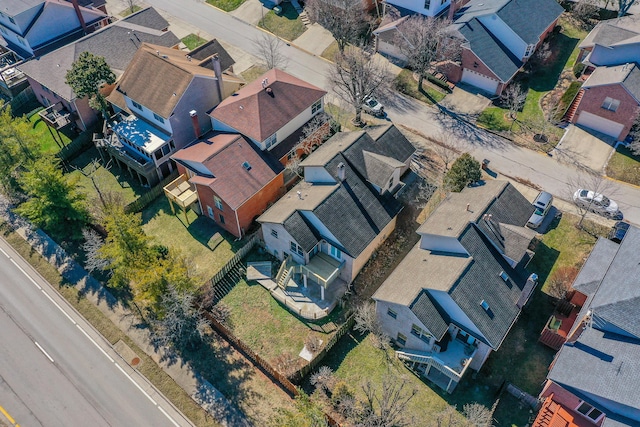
[485, 164]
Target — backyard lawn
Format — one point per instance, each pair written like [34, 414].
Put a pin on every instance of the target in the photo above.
[623, 165]
[40, 132]
[205, 246]
[114, 179]
[226, 5]
[406, 84]
[288, 25]
[192, 41]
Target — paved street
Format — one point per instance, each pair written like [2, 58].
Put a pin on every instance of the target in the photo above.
[56, 370]
[505, 158]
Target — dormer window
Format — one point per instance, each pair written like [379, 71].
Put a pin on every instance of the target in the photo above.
[158, 118]
[427, 4]
[271, 141]
[247, 166]
[610, 104]
[530, 49]
[136, 105]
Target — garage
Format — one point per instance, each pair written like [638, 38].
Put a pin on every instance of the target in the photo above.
[480, 81]
[600, 124]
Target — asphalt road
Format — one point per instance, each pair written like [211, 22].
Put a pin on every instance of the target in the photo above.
[556, 177]
[55, 370]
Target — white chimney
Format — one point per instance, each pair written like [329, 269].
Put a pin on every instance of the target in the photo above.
[342, 173]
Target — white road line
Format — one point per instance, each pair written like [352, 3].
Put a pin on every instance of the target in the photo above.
[136, 384]
[25, 273]
[96, 344]
[169, 417]
[5, 254]
[42, 350]
[58, 305]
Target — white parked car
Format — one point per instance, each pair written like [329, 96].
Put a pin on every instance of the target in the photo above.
[542, 203]
[373, 107]
[597, 203]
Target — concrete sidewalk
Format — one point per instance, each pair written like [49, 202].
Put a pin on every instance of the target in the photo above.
[200, 390]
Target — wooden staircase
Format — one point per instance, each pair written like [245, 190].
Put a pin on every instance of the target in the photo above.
[571, 111]
[228, 282]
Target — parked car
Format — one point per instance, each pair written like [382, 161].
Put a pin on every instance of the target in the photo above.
[597, 203]
[618, 231]
[373, 107]
[542, 203]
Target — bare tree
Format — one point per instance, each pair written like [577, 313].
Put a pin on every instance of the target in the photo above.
[585, 11]
[356, 76]
[293, 166]
[447, 147]
[323, 379]
[634, 135]
[346, 20]
[269, 49]
[590, 182]
[131, 5]
[560, 281]
[425, 40]
[91, 247]
[179, 324]
[367, 321]
[513, 97]
[387, 406]
[479, 415]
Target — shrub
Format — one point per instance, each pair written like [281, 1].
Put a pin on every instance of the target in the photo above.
[463, 172]
[578, 68]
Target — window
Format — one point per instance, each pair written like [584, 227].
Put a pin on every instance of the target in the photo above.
[316, 107]
[504, 276]
[610, 104]
[476, 65]
[271, 141]
[210, 212]
[292, 155]
[392, 313]
[158, 154]
[589, 411]
[418, 332]
[158, 118]
[401, 339]
[46, 89]
[442, 2]
[427, 4]
[221, 219]
[296, 249]
[218, 202]
[138, 106]
[391, 183]
[529, 51]
[274, 233]
[335, 252]
[45, 101]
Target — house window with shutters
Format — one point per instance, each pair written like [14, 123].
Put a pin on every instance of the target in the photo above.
[610, 104]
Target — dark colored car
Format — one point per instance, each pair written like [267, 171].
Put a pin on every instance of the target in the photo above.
[618, 231]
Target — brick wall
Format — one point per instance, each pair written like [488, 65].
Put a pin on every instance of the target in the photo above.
[257, 204]
[594, 97]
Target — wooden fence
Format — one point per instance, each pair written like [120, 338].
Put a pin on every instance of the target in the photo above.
[232, 262]
[145, 200]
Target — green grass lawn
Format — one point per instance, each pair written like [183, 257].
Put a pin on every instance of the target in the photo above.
[192, 41]
[623, 165]
[343, 116]
[40, 132]
[113, 179]
[406, 84]
[288, 25]
[206, 247]
[253, 72]
[226, 5]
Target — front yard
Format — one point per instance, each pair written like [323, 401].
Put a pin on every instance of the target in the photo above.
[287, 25]
[192, 41]
[226, 5]
[206, 247]
[407, 84]
[624, 166]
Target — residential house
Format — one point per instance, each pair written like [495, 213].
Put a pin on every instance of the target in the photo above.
[327, 227]
[233, 179]
[117, 43]
[153, 124]
[593, 379]
[455, 296]
[423, 7]
[271, 112]
[609, 98]
[34, 27]
[498, 37]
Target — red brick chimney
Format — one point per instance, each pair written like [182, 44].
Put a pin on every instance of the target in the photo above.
[76, 6]
[195, 123]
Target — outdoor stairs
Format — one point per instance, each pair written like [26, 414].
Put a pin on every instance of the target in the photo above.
[571, 111]
[231, 279]
[304, 18]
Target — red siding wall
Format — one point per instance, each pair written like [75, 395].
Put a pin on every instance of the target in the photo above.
[625, 114]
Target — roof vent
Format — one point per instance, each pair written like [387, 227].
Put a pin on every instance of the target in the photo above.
[247, 166]
[504, 276]
[342, 173]
[299, 193]
[265, 83]
[484, 305]
[269, 91]
[241, 107]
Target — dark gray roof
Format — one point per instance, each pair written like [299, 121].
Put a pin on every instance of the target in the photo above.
[301, 231]
[600, 364]
[114, 42]
[509, 212]
[149, 18]
[390, 142]
[530, 18]
[612, 32]
[481, 281]
[16, 7]
[490, 50]
[210, 48]
[595, 268]
[428, 313]
[353, 213]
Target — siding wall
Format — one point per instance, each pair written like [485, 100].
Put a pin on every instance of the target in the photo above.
[402, 324]
[594, 97]
[615, 56]
[202, 96]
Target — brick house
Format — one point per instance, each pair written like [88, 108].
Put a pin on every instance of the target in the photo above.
[234, 180]
[498, 37]
[593, 379]
[117, 43]
[456, 295]
[272, 112]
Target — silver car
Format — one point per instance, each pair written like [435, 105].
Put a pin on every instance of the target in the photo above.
[542, 203]
[597, 203]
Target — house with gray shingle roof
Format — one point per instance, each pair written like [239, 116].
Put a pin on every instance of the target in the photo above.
[595, 375]
[117, 43]
[499, 36]
[326, 228]
[453, 299]
[609, 99]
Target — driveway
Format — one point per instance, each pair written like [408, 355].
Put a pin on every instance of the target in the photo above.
[466, 101]
[251, 11]
[584, 148]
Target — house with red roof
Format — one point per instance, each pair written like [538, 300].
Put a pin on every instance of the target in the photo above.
[271, 112]
[233, 179]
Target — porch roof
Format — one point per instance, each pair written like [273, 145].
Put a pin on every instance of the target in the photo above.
[140, 133]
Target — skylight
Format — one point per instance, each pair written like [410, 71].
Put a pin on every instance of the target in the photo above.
[247, 166]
